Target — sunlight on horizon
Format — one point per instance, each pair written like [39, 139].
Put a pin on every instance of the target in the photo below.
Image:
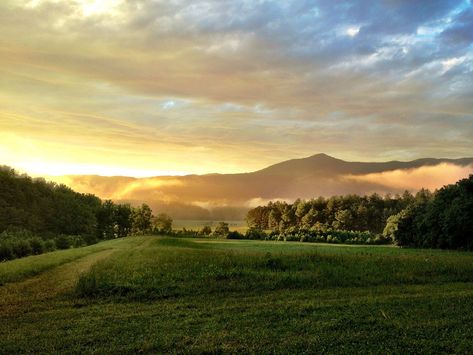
[38, 169]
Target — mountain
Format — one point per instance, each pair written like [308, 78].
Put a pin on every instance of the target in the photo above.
[325, 165]
[228, 196]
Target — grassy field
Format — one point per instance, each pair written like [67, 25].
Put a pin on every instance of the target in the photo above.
[157, 294]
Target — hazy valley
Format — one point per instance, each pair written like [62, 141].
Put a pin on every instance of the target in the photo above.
[230, 196]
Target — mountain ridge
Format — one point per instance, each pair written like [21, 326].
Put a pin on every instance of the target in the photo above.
[392, 164]
[310, 177]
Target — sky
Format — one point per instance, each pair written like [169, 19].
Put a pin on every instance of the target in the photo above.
[149, 87]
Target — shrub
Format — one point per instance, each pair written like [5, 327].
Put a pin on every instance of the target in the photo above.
[49, 245]
[292, 238]
[255, 234]
[90, 239]
[235, 235]
[62, 242]
[6, 252]
[78, 241]
[21, 248]
[37, 246]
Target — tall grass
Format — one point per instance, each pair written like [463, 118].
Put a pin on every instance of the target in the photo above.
[177, 267]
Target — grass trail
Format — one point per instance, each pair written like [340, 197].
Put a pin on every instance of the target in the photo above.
[20, 269]
[54, 274]
[35, 291]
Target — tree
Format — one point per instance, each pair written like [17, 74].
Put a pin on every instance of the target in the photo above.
[123, 220]
[288, 218]
[343, 220]
[310, 218]
[206, 230]
[142, 218]
[106, 220]
[392, 225]
[273, 219]
[162, 223]
[222, 229]
[301, 209]
[257, 218]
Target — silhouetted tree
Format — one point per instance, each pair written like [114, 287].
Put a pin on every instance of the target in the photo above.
[222, 229]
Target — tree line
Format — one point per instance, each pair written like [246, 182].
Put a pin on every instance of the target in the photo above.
[38, 216]
[440, 219]
[350, 212]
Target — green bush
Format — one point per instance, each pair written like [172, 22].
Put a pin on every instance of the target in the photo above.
[49, 245]
[63, 242]
[6, 252]
[37, 246]
[235, 235]
[21, 248]
[90, 239]
[78, 241]
[255, 234]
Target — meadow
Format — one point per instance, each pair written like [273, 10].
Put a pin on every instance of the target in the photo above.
[162, 294]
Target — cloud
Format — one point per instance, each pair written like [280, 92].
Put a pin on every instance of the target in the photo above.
[235, 85]
[428, 177]
[461, 30]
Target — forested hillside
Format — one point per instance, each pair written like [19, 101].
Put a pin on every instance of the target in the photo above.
[45, 207]
[38, 216]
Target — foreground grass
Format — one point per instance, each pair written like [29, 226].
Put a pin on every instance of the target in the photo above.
[178, 267]
[184, 295]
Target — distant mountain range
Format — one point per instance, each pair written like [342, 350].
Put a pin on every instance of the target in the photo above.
[228, 196]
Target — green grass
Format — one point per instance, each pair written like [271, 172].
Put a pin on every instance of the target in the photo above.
[177, 267]
[19, 269]
[157, 294]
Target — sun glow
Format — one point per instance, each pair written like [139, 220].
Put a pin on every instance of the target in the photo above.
[97, 7]
[353, 31]
[86, 7]
[39, 158]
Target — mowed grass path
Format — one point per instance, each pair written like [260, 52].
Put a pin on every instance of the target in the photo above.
[157, 294]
